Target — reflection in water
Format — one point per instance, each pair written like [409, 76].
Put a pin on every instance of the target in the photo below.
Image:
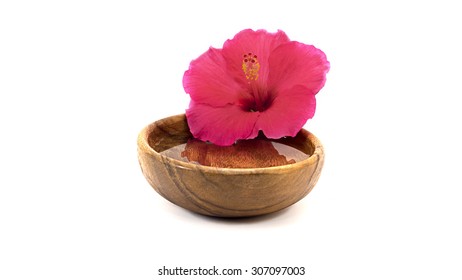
[244, 154]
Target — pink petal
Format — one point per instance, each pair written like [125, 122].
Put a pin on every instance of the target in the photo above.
[294, 64]
[221, 125]
[288, 113]
[260, 43]
[207, 80]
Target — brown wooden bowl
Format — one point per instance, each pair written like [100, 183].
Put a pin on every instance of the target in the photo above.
[225, 192]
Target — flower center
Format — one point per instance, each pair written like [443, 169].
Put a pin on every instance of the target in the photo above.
[250, 66]
[258, 99]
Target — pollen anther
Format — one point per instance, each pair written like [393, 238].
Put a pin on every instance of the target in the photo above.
[250, 67]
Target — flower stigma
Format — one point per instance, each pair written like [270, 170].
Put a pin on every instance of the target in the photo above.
[250, 66]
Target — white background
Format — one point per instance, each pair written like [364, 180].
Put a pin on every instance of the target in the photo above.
[80, 79]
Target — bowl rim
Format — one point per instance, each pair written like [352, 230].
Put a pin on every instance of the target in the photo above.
[144, 146]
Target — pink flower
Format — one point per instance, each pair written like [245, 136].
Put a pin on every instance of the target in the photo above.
[258, 81]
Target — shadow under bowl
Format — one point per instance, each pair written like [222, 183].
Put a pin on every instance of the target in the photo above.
[225, 192]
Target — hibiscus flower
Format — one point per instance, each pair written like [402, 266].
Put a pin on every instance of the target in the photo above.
[258, 81]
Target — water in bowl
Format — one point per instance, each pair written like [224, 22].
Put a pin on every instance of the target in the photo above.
[253, 153]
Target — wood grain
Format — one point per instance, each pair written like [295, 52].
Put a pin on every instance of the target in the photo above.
[225, 192]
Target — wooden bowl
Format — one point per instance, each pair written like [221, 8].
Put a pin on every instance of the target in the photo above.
[225, 192]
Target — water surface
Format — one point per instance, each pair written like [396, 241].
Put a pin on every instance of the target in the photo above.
[251, 153]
